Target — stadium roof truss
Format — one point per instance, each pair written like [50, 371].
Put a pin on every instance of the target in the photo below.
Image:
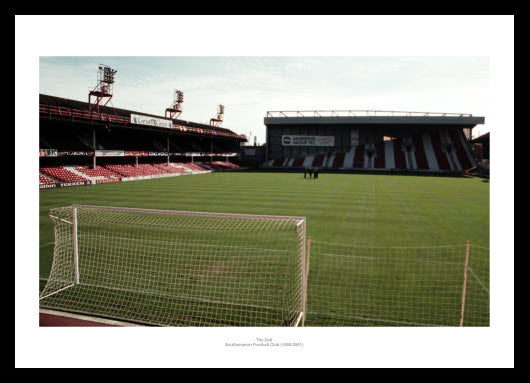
[349, 117]
[63, 112]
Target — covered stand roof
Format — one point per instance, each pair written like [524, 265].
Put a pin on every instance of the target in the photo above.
[368, 117]
[79, 109]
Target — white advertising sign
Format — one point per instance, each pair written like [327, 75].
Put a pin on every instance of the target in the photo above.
[110, 153]
[288, 140]
[151, 121]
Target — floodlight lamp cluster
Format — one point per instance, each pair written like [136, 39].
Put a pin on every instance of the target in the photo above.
[179, 99]
[215, 122]
[107, 73]
[179, 96]
[175, 110]
[102, 92]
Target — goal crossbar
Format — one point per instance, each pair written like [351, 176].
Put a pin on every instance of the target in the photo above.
[299, 220]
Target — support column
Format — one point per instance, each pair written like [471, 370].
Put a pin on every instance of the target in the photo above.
[94, 147]
[266, 144]
[168, 150]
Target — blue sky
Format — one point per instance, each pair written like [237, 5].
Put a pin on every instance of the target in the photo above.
[249, 86]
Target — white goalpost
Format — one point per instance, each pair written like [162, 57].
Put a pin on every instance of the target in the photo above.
[174, 268]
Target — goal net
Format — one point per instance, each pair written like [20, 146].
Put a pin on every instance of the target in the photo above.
[397, 286]
[171, 268]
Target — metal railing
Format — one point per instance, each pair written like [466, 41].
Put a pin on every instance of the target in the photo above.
[360, 113]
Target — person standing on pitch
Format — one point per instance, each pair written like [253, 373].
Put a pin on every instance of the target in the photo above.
[305, 172]
[310, 173]
[316, 173]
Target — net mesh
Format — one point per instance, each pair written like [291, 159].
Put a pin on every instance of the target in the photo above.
[177, 268]
[200, 269]
[392, 286]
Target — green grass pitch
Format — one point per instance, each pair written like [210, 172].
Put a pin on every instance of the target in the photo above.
[349, 209]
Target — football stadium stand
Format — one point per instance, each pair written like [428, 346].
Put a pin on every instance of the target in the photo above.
[423, 152]
[397, 141]
[80, 146]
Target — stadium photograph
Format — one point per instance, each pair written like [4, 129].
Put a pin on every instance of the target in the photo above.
[338, 218]
[323, 193]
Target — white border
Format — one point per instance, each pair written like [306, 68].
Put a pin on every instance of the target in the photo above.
[491, 36]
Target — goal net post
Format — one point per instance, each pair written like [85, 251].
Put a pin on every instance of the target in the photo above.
[175, 268]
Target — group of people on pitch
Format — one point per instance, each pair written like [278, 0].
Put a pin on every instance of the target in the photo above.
[313, 173]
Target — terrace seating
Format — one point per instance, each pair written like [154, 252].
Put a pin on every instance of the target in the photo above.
[97, 173]
[219, 165]
[308, 161]
[169, 168]
[443, 163]
[216, 166]
[133, 171]
[149, 170]
[419, 153]
[227, 164]
[338, 161]
[179, 167]
[379, 160]
[399, 156]
[194, 167]
[429, 151]
[456, 139]
[63, 174]
[298, 162]
[358, 158]
[43, 180]
[318, 160]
